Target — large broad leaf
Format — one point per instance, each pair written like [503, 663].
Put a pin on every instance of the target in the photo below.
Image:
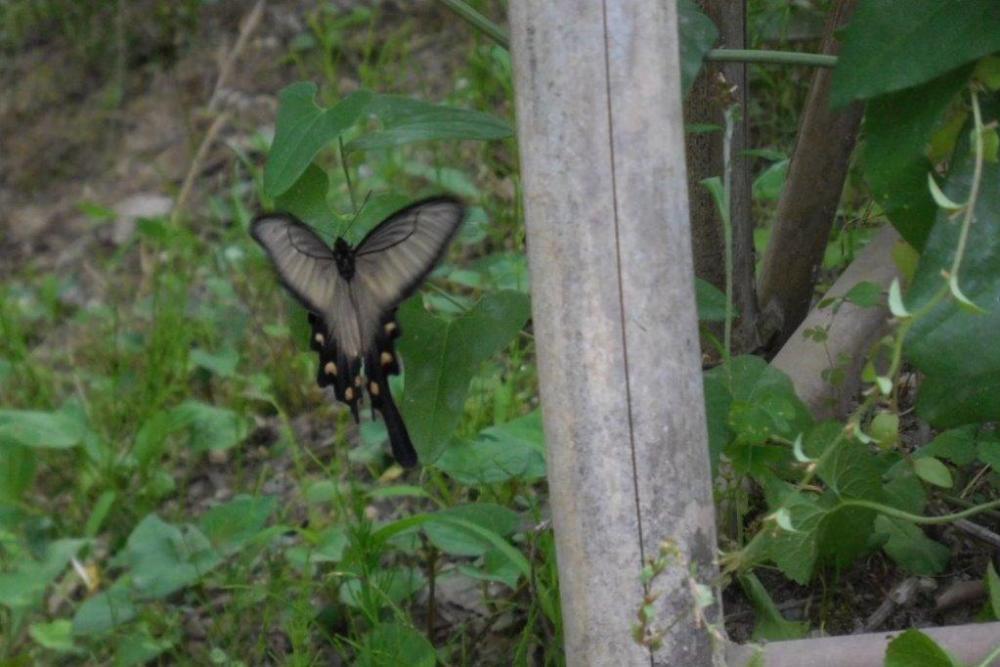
[104, 611]
[395, 644]
[711, 302]
[442, 356]
[25, 584]
[770, 625]
[229, 527]
[910, 548]
[303, 129]
[210, 428]
[748, 402]
[895, 44]
[164, 558]
[956, 349]
[898, 128]
[915, 649]
[44, 430]
[405, 120]
[456, 540]
[17, 471]
[697, 36]
[306, 198]
[515, 449]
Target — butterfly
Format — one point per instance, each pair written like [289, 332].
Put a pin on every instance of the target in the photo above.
[352, 294]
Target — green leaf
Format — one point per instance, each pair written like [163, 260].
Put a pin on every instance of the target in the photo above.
[165, 558]
[43, 430]
[99, 513]
[210, 428]
[222, 363]
[988, 450]
[405, 120]
[911, 548]
[138, 647]
[850, 471]
[17, 471]
[104, 611]
[958, 445]
[933, 472]
[24, 586]
[454, 539]
[769, 185]
[515, 449]
[449, 179]
[395, 644]
[898, 127]
[915, 649]
[954, 348]
[505, 271]
[496, 566]
[794, 553]
[306, 198]
[896, 306]
[697, 37]
[442, 356]
[939, 197]
[711, 302]
[770, 625]
[230, 526]
[55, 636]
[387, 586]
[993, 588]
[303, 128]
[844, 534]
[748, 401]
[865, 294]
[930, 36]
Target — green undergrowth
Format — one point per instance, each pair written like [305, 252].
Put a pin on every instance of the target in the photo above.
[175, 488]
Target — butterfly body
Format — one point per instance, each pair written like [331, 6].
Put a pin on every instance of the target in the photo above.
[352, 294]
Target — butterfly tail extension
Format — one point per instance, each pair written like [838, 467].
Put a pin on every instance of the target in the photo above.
[381, 400]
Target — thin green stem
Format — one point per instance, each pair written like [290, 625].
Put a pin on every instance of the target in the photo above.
[994, 654]
[919, 518]
[977, 176]
[764, 56]
[727, 227]
[478, 21]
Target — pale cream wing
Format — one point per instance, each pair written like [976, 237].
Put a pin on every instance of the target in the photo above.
[396, 256]
[304, 262]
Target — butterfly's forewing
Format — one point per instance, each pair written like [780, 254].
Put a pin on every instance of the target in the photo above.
[397, 255]
[304, 262]
[307, 267]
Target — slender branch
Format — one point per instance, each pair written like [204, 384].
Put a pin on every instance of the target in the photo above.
[499, 35]
[765, 56]
[919, 518]
[977, 176]
[478, 21]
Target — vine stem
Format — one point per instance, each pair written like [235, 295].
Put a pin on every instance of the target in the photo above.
[468, 14]
[920, 518]
[977, 176]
